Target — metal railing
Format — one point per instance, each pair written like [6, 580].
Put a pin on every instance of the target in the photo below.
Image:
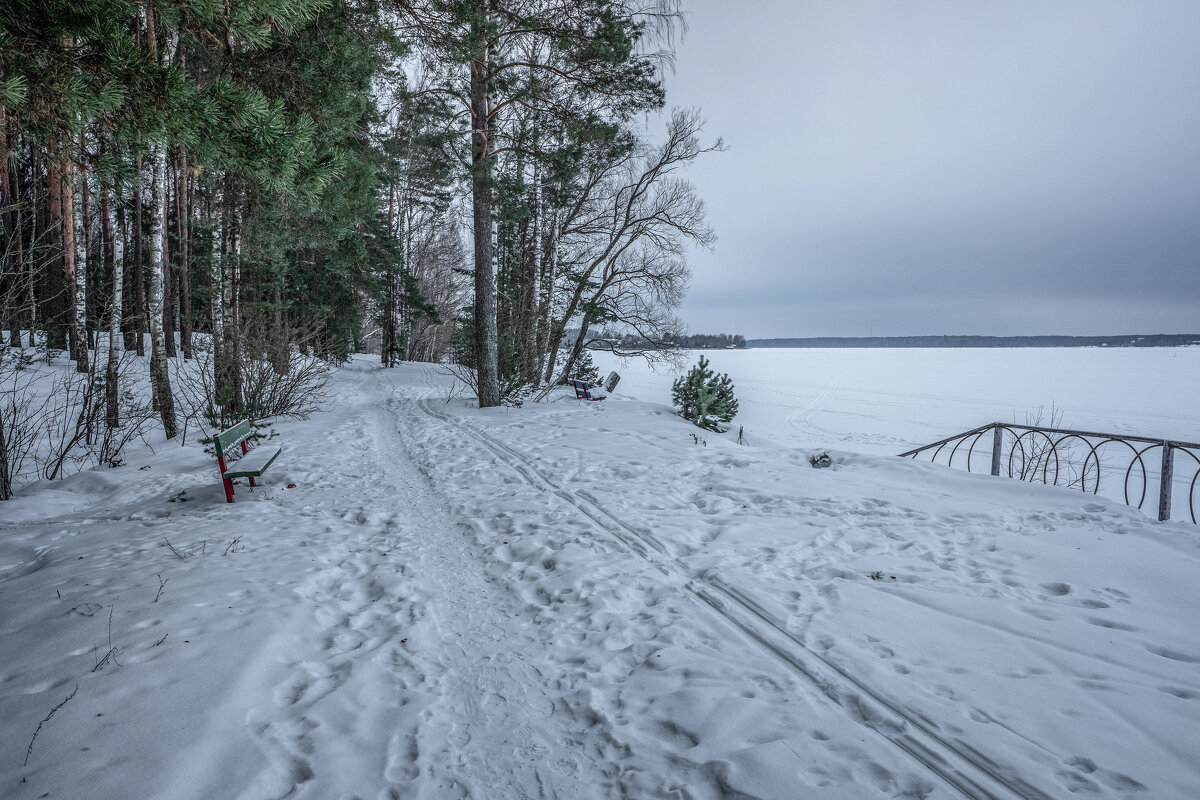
[1082, 460]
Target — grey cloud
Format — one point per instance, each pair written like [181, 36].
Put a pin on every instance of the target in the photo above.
[948, 155]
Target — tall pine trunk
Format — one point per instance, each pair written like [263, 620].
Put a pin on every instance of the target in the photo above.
[10, 235]
[486, 336]
[54, 293]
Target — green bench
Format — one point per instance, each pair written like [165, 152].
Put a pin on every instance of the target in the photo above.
[249, 464]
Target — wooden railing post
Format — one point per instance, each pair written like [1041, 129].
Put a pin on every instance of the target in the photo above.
[1166, 478]
[997, 443]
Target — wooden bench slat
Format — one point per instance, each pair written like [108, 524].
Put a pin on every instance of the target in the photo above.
[228, 440]
[253, 464]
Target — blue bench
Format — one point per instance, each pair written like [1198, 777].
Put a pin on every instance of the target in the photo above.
[586, 391]
[595, 391]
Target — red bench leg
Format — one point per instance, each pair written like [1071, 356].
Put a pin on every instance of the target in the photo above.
[252, 483]
[228, 483]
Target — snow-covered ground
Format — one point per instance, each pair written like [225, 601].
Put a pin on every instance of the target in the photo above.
[577, 600]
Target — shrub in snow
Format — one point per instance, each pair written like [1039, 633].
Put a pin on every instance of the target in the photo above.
[585, 369]
[55, 421]
[704, 397]
[821, 460]
[277, 380]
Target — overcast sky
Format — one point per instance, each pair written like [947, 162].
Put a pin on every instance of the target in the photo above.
[945, 167]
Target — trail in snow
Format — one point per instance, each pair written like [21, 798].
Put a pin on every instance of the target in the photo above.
[579, 601]
[409, 669]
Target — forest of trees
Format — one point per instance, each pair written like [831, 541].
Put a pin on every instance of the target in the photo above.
[710, 341]
[623, 342]
[448, 180]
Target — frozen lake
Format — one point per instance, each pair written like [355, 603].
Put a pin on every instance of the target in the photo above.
[889, 401]
[885, 401]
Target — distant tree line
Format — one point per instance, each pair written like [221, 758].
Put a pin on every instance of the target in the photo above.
[1128, 340]
[625, 343]
[709, 341]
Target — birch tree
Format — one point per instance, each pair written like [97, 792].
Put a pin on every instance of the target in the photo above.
[160, 378]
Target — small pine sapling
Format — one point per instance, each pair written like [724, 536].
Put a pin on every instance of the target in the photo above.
[705, 398]
[586, 369]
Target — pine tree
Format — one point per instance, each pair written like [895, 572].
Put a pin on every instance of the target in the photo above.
[704, 397]
[502, 55]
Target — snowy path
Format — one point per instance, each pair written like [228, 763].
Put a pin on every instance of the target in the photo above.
[578, 601]
[409, 670]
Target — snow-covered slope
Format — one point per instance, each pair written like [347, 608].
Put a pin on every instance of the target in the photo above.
[576, 600]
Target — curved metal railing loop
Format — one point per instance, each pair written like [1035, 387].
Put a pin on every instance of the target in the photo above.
[1077, 459]
[1191, 453]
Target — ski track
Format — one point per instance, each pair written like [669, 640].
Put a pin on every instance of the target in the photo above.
[802, 417]
[958, 765]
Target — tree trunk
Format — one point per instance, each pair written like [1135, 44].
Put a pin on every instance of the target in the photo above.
[5, 475]
[104, 267]
[111, 389]
[279, 339]
[9, 278]
[228, 367]
[160, 379]
[136, 274]
[529, 288]
[35, 196]
[53, 296]
[486, 344]
[185, 283]
[75, 300]
[20, 274]
[577, 350]
[387, 344]
[170, 271]
[216, 305]
[88, 263]
[546, 286]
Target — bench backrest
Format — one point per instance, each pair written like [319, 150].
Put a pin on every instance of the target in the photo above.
[227, 442]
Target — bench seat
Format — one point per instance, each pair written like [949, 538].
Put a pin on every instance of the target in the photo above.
[253, 464]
